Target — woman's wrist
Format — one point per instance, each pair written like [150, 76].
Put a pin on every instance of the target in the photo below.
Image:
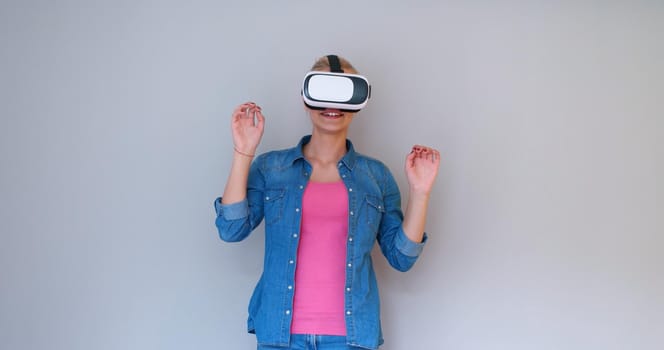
[417, 194]
[249, 154]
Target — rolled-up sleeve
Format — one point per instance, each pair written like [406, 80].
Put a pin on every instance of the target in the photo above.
[232, 211]
[235, 221]
[232, 220]
[408, 247]
[400, 251]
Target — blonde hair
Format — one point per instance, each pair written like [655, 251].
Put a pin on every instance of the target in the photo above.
[323, 64]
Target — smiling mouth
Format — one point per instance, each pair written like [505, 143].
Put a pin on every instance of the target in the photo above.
[328, 113]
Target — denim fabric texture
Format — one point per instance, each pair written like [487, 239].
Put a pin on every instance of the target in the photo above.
[276, 183]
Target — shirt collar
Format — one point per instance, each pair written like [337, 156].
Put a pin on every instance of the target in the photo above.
[297, 152]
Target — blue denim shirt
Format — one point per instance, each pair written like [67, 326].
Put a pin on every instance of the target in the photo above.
[276, 183]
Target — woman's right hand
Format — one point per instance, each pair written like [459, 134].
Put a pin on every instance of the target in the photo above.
[247, 126]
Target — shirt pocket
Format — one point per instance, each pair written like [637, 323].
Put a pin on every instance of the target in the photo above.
[374, 211]
[273, 204]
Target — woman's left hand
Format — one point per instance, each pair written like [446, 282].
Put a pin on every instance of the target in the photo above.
[421, 168]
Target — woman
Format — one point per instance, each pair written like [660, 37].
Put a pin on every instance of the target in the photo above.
[324, 206]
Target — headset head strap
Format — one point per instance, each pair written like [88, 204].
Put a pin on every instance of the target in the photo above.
[335, 65]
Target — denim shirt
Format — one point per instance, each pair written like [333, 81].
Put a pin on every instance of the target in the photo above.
[275, 187]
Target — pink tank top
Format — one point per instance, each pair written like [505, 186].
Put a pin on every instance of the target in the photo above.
[318, 306]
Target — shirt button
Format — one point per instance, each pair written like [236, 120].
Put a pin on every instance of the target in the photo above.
[348, 289]
[297, 210]
[287, 312]
[267, 198]
[351, 213]
[291, 261]
[348, 312]
[349, 264]
[350, 239]
[350, 190]
[294, 235]
[344, 176]
[301, 187]
[290, 287]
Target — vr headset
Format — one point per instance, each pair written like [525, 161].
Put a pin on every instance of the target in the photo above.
[335, 89]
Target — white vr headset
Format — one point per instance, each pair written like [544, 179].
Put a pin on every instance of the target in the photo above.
[335, 89]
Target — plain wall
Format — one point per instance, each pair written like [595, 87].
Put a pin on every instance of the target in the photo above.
[546, 222]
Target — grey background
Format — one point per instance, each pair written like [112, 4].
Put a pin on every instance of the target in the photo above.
[546, 221]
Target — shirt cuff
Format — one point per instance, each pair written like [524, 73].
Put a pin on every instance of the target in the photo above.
[408, 247]
[232, 211]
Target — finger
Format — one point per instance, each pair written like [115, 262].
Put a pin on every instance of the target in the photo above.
[424, 152]
[251, 115]
[239, 110]
[239, 117]
[410, 158]
[253, 105]
[424, 155]
[436, 156]
[242, 109]
[419, 153]
[427, 153]
[260, 119]
[422, 148]
[248, 104]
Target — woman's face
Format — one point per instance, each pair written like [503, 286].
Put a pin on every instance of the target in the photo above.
[330, 121]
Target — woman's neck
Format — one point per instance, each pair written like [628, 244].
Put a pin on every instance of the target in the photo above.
[325, 148]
